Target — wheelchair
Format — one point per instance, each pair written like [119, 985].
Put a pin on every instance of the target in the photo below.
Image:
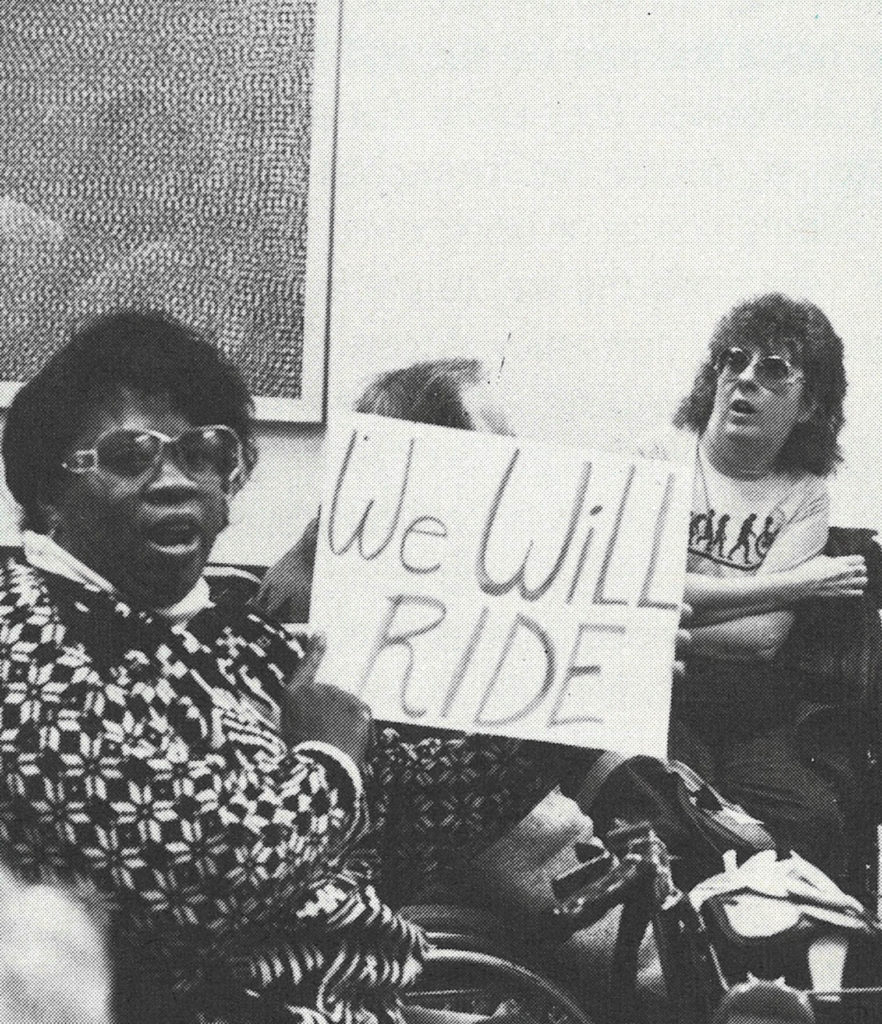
[480, 967]
[475, 967]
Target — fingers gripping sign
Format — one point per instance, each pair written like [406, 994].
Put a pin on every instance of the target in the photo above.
[315, 711]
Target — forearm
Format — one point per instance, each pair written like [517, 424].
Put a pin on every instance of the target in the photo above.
[716, 599]
[750, 638]
[718, 616]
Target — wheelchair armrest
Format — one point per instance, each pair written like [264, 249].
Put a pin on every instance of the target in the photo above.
[450, 926]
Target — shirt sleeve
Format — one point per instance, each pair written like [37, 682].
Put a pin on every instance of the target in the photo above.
[804, 535]
[339, 758]
[195, 827]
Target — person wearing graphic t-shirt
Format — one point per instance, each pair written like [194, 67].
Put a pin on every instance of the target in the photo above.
[767, 408]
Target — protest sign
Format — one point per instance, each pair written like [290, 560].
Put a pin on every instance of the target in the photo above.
[481, 583]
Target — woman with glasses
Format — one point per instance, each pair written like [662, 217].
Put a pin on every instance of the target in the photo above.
[767, 408]
[176, 753]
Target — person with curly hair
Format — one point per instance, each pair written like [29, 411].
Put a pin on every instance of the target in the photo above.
[767, 408]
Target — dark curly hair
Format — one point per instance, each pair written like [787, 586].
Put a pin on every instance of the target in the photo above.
[766, 322]
[145, 351]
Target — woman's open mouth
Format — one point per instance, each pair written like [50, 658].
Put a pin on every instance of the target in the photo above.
[175, 536]
[741, 407]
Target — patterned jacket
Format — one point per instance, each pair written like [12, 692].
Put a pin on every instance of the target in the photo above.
[136, 753]
[141, 755]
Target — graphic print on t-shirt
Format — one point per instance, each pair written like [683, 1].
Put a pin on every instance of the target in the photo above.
[724, 541]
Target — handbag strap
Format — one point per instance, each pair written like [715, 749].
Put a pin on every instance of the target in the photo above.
[596, 778]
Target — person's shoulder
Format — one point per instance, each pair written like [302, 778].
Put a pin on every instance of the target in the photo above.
[816, 495]
[284, 641]
[816, 490]
[802, 495]
[808, 487]
[31, 622]
[283, 646]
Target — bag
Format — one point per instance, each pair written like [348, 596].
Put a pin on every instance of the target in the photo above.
[786, 918]
[695, 822]
[767, 898]
[514, 876]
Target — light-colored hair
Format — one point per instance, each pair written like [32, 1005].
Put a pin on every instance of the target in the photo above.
[429, 392]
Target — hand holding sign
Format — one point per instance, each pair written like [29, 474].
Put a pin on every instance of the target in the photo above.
[286, 586]
[317, 711]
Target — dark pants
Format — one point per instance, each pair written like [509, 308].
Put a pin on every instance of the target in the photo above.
[765, 773]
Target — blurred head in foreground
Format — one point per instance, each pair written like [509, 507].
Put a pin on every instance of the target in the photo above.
[54, 965]
[441, 393]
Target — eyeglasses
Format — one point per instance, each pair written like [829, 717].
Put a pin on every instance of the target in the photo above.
[201, 452]
[773, 372]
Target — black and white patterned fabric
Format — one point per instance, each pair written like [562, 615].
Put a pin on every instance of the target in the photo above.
[140, 755]
[436, 801]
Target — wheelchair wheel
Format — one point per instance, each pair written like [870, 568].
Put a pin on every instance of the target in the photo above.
[471, 982]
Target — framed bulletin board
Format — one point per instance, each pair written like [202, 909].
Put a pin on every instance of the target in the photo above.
[176, 154]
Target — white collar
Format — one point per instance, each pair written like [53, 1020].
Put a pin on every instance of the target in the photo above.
[42, 552]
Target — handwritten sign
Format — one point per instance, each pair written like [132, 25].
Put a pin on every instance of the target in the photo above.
[475, 582]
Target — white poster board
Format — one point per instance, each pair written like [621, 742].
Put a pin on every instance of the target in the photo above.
[481, 583]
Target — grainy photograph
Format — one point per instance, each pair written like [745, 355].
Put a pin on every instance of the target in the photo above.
[469, 614]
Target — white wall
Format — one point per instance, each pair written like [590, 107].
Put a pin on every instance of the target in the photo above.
[584, 188]
[576, 192]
